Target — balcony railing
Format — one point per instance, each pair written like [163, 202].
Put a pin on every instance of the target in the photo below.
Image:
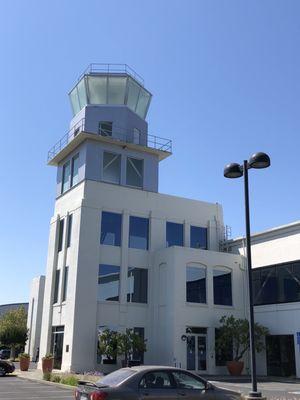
[117, 134]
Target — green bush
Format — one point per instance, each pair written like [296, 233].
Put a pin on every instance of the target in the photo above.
[55, 378]
[69, 380]
[47, 376]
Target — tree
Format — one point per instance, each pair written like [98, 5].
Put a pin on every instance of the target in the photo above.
[108, 343]
[129, 341]
[13, 329]
[235, 332]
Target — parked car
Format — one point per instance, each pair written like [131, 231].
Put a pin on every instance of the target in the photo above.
[4, 354]
[152, 382]
[6, 367]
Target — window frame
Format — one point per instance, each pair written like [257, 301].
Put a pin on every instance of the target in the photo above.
[119, 229]
[174, 223]
[228, 270]
[66, 165]
[65, 284]
[128, 294]
[166, 371]
[100, 130]
[206, 243]
[69, 233]
[56, 286]
[187, 373]
[197, 266]
[119, 285]
[131, 218]
[75, 157]
[117, 156]
[128, 160]
[60, 240]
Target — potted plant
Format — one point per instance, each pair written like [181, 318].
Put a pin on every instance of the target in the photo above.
[129, 341]
[24, 361]
[108, 346]
[47, 363]
[234, 333]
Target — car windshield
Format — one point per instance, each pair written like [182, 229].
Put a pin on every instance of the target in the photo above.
[116, 377]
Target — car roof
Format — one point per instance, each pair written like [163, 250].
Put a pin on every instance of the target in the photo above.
[139, 368]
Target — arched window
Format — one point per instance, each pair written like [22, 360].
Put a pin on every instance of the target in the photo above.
[196, 283]
[222, 286]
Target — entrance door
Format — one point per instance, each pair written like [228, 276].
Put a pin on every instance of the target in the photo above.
[280, 351]
[57, 345]
[196, 352]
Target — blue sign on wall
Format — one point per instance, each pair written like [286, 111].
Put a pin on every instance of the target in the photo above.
[298, 338]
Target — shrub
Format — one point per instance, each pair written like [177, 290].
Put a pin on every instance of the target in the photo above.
[55, 378]
[24, 355]
[69, 380]
[48, 356]
[47, 376]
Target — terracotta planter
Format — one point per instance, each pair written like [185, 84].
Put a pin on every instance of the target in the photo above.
[235, 368]
[47, 364]
[24, 363]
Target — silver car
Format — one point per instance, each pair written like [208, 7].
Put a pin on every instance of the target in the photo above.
[152, 382]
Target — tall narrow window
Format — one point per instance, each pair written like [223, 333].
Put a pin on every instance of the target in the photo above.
[174, 234]
[136, 136]
[60, 234]
[138, 355]
[69, 237]
[105, 128]
[111, 225]
[74, 170]
[134, 172]
[111, 167]
[222, 287]
[65, 288]
[137, 289]
[56, 286]
[199, 237]
[108, 282]
[139, 233]
[196, 284]
[66, 177]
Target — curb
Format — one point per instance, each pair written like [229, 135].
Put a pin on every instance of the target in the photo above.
[61, 385]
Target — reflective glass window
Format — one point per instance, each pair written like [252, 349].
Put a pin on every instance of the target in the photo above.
[60, 234]
[268, 281]
[66, 176]
[116, 90]
[137, 285]
[222, 287]
[108, 282]
[74, 170]
[139, 233]
[174, 234]
[111, 225]
[134, 172]
[156, 380]
[82, 93]
[97, 86]
[74, 101]
[142, 105]
[56, 286]
[105, 128]
[196, 284]
[198, 237]
[111, 167]
[188, 382]
[133, 94]
[65, 288]
[139, 355]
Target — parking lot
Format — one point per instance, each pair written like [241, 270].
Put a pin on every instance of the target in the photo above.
[14, 388]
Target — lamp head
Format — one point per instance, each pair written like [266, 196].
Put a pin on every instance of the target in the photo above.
[259, 160]
[233, 170]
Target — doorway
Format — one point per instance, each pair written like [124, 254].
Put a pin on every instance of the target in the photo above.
[57, 342]
[196, 349]
[280, 351]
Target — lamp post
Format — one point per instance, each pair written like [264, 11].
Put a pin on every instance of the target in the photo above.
[234, 170]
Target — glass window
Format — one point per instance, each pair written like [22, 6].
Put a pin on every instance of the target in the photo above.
[134, 172]
[199, 237]
[82, 93]
[65, 288]
[156, 380]
[70, 222]
[174, 234]
[223, 354]
[139, 233]
[196, 284]
[111, 225]
[74, 101]
[268, 281]
[222, 287]
[60, 235]
[108, 282]
[139, 355]
[74, 171]
[105, 128]
[66, 177]
[186, 381]
[142, 105]
[133, 94]
[111, 167]
[136, 136]
[56, 286]
[116, 377]
[116, 90]
[137, 285]
[97, 89]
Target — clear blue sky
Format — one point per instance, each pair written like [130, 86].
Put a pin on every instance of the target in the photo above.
[225, 80]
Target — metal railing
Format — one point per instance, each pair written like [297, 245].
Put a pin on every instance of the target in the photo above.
[117, 134]
[112, 69]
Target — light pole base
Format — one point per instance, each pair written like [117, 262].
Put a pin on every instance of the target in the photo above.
[254, 396]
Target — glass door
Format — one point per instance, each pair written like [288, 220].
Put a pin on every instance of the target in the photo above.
[57, 345]
[196, 352]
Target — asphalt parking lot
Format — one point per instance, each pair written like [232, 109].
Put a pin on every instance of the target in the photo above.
[14, 388]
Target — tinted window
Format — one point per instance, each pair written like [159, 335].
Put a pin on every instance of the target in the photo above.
[66, 177]
[116, 377]
[139, 355]
[222, 287]
[139, 233]
[156, 380]
[198, 237]
[60, 234]
[70, 221]
[137, 285]
[56, 286]
[112, 167]
[196, 284]
[187, 381]
[134, 172]
[111, 225]
[65, 289]
[105, 128]
[174, 234]
[74, 172]
[108, 282]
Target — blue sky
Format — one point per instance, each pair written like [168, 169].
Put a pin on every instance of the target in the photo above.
[225, 80]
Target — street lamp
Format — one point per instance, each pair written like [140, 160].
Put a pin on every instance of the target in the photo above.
[234, 170]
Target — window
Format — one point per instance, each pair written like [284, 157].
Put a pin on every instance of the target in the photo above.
[138, 355]
[56, 286]
[60, 234]
[111, 225]
[139, 233]
[105, 128]
[174, 234]
[222, 287]
[65, 177]
[186, 381]
[134, 172]
[137, 285]
[70, 222]
[196, 284]
[198, 237]
[108, 282]
[136, 136]
[156, 380]
[74, 170]
[224, 354]
[111, 167]
[65, 288]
